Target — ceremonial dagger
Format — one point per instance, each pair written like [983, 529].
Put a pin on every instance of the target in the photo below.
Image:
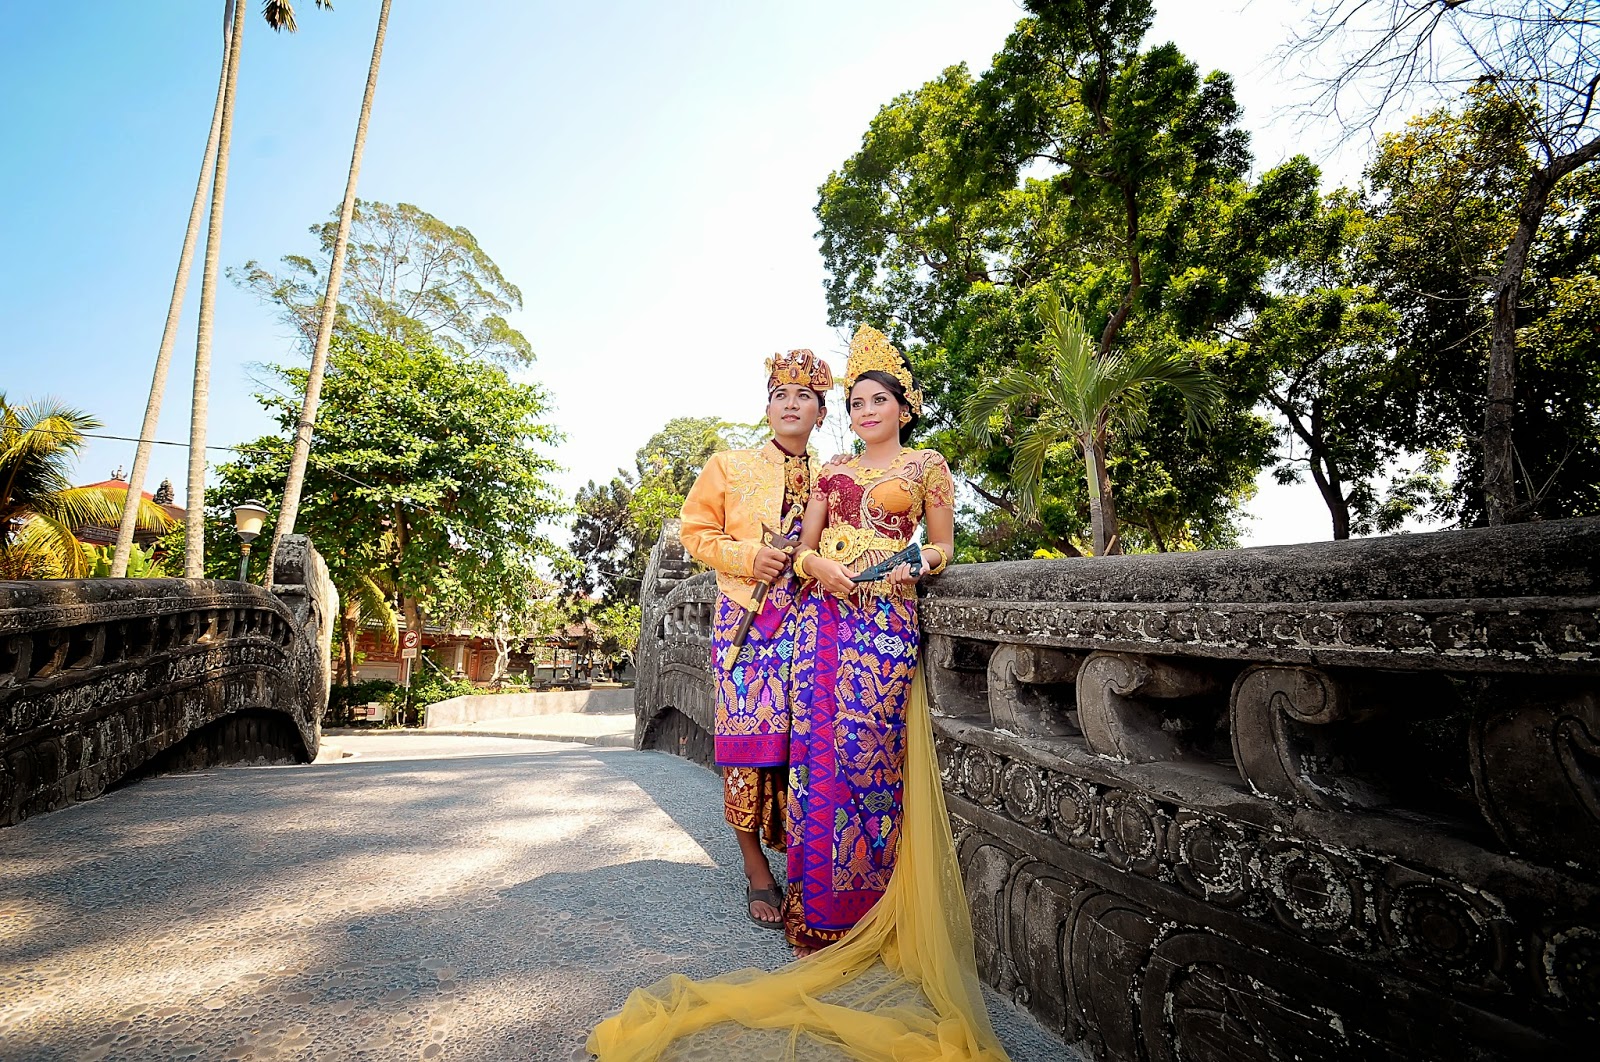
[772, 540]
[911, 555]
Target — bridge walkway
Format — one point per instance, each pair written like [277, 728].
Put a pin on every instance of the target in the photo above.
[450, 897]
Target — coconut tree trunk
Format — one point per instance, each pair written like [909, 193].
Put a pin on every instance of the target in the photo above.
[330, 309]
[195, 498]
[169, 334]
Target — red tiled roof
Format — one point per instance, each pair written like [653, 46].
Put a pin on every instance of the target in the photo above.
[118, 484]
[177, 512]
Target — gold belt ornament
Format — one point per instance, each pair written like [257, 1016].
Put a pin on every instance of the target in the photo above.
[847, 543]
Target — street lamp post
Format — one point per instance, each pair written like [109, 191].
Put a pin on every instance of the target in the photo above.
[247, 520]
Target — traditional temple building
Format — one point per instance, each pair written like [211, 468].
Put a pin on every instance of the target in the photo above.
[99, 535]
[561, 658]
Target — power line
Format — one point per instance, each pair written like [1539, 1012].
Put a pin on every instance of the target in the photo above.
[185, 446]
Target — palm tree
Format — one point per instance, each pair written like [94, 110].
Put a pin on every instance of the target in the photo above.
[39, 507]
[330, 308]
[280, 16]
[1086, 397]
[169, 334]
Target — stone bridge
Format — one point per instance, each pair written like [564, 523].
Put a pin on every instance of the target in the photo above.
[1331, 801]
[102, 680]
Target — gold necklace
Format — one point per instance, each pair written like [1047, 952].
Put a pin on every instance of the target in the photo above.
[867, 475]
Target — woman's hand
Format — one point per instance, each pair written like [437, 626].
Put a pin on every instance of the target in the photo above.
[769, 564]
[903, 579]
[830, 575]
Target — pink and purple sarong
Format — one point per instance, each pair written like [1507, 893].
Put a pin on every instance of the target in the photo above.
[854, 661]
[752, 705]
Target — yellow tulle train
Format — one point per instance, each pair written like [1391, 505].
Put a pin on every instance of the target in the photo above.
[902, 986]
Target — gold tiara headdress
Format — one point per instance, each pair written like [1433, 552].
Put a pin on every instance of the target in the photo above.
[799, 367]
[871, 349]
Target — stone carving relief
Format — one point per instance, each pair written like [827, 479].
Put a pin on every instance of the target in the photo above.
[1367, 908]
[1030, 690]
[1122, 704]
[1535, 749]
[1315, 802]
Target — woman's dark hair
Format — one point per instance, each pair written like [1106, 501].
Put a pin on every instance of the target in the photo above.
[896, 388]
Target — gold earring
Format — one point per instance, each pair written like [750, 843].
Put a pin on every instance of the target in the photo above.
[905, 418]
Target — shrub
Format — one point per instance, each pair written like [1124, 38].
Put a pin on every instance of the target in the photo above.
[433, 687]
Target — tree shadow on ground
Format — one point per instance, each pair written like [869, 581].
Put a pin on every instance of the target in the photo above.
[466, 908]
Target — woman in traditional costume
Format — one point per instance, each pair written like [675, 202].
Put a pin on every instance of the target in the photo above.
[856, 649]
[877, 889]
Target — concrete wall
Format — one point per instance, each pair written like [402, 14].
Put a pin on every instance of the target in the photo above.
[458, 710]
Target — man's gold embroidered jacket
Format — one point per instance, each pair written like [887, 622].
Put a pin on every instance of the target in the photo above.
[737, 492]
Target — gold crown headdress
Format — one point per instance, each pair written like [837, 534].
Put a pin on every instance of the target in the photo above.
[799, 367]
[871, 349]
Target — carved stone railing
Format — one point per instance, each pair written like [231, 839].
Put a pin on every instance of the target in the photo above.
[106, 679]
[1327, 801]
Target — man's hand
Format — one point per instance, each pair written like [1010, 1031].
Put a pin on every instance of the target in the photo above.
[770, 564]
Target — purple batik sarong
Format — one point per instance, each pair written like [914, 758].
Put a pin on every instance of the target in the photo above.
[752, 708]
[854, 661]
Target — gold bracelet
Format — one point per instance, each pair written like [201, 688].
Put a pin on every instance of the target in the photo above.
[800, 562]
[944, 559]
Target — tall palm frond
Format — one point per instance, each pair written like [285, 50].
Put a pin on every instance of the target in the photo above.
[39, 508]
[1081, 395]
[372, 605]
[99, 507]
[280, 14]
[50, 548]
[38, 445]
[45, 542]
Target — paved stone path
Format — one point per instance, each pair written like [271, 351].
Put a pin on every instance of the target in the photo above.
[424, 897]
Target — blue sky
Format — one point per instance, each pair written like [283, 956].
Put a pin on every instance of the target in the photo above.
[645, 172]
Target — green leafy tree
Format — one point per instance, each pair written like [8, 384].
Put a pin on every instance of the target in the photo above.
[617, 629]
[609, 561]
[1442, 199]
[1530, 64]
[1323, 343]
[616, 524]
[507, 598]
[408, 277]
[425, 468]
[1074, 395]
[1082, 164]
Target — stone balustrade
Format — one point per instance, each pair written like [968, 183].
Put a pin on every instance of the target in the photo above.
[1328, 801]
[102, 680]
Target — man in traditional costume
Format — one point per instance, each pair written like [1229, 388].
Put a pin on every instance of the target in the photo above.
[740, 508]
